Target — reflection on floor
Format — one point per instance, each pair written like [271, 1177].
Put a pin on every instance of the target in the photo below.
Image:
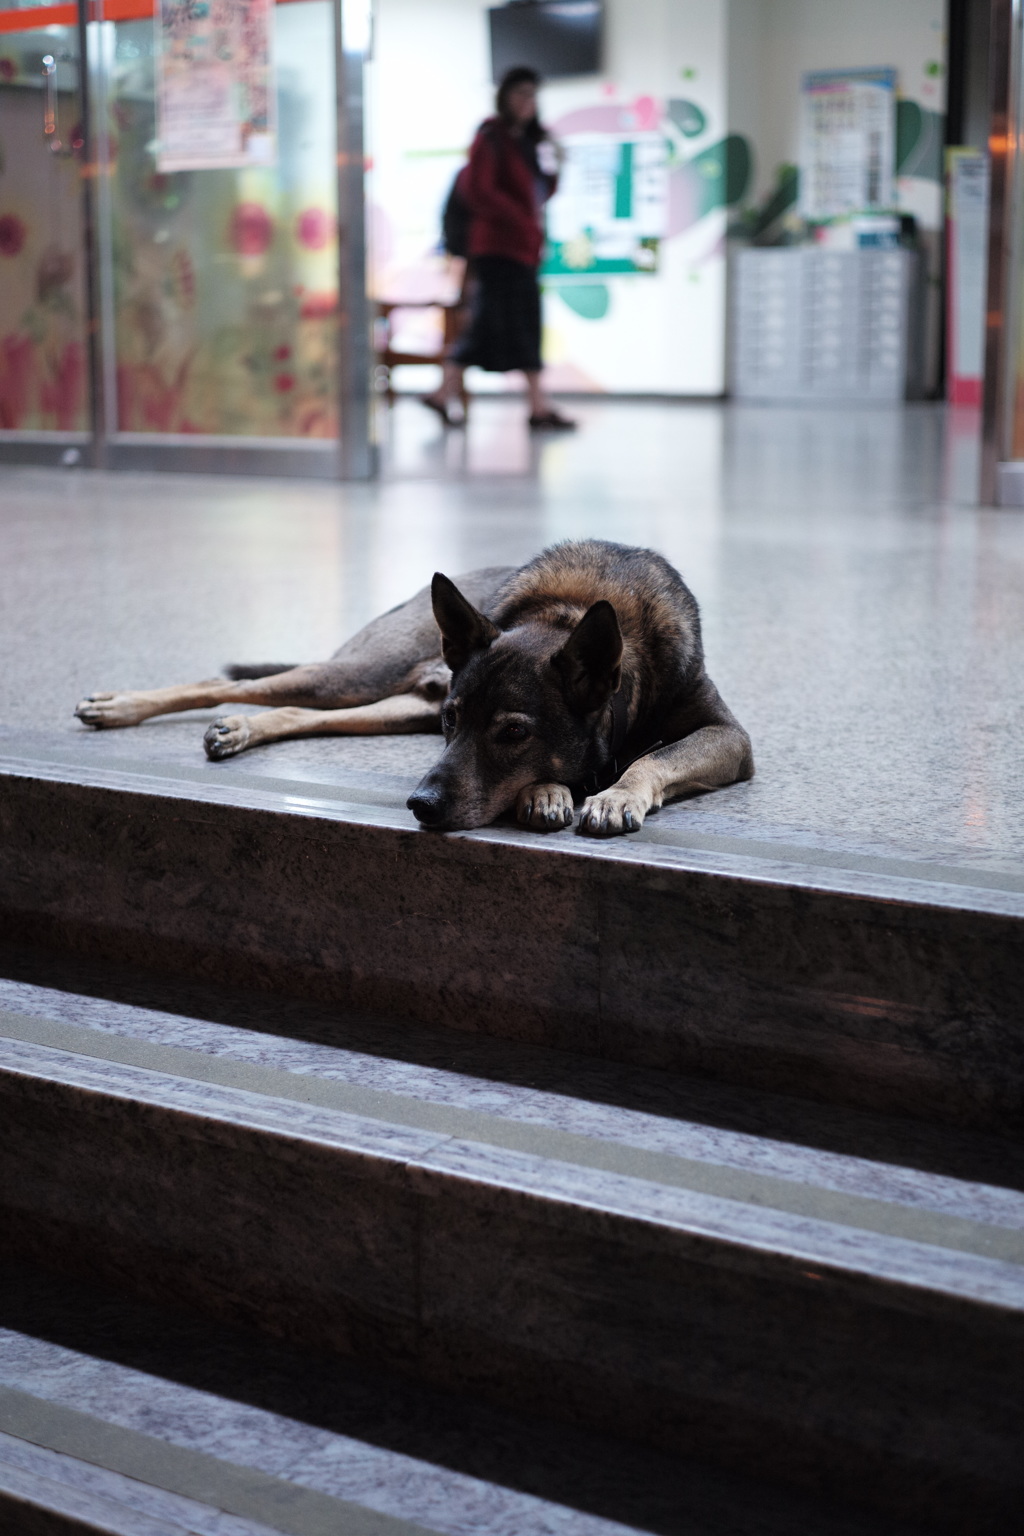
[861, 616]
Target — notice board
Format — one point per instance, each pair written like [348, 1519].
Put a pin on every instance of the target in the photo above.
[847, 142]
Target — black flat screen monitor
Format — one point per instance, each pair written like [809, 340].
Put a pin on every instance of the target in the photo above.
[554, 37]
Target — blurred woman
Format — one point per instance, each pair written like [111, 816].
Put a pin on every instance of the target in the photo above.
[512, 171]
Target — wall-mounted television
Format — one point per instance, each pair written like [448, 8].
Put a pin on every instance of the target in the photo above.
[554, 37]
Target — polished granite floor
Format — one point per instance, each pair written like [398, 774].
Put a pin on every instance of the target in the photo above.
[862, 617]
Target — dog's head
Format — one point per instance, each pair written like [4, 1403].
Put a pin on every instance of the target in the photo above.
[526, 706]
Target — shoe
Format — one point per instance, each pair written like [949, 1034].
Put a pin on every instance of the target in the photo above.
[441, 408]
[552, 421]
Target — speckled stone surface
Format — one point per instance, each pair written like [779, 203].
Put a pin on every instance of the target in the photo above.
[33, 1478]
[861, 617]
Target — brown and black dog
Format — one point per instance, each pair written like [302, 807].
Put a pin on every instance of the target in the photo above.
[581, 673]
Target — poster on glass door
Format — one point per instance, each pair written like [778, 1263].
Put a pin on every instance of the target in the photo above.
[215, 85]
[847, 142]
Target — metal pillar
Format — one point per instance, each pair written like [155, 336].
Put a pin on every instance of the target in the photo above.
[1002, 306]
[352, 31]
[89, 165]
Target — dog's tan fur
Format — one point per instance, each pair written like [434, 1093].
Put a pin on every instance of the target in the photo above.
[534, 653]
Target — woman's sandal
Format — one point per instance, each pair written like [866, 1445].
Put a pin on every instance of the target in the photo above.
[441, 407]
[552, 421]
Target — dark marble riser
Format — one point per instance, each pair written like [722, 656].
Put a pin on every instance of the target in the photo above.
[879, 1001]
[782, 1346]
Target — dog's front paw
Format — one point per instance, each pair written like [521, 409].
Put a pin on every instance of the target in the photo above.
[544, 807]
[105, 710]
[612, 812]
[226, 736]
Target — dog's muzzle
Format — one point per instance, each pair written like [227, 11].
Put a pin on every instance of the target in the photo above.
[428, 806]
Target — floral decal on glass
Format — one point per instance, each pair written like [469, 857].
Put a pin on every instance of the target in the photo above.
[43, 373]
[225, 280]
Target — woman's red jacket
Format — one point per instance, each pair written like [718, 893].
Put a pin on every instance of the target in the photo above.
[498, 187]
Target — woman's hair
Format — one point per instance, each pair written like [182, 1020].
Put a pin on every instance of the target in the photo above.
[521, 74]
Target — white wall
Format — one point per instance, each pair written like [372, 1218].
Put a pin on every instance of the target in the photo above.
[774, 42]
[739, 61]
[430, 86]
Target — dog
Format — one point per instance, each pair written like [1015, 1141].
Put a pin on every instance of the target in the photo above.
[578, 676]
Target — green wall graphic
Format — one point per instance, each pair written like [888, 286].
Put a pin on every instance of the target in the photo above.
[920, 134]
[721, 173]
[591, 301]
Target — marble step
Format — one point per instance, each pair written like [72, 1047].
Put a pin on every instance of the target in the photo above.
[149, 1421]
[48, 1493]
[824, 1319]
[229, 1034]
[887, 983]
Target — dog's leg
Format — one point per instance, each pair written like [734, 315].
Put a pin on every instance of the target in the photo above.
[402, 714]
[395, 654]
[301, 685]
[544, 807]
[712, 756]
[105, 710]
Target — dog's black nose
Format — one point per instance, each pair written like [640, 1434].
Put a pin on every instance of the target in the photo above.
[427, 805]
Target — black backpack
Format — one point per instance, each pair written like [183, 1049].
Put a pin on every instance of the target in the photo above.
[455, 221]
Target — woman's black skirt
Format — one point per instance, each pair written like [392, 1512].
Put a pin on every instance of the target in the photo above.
[504, 322]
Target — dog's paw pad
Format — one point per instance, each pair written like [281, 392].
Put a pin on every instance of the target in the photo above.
[612, 813]
[225, 737]
[104, 710]
[544, 807]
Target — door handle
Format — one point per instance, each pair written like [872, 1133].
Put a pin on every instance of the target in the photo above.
[50, 104]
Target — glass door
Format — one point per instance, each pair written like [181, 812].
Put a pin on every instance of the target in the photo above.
[45, 404]
[222, 282]
[224, 306]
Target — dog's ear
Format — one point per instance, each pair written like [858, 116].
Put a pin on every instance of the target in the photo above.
[464, 629]
[590, 661]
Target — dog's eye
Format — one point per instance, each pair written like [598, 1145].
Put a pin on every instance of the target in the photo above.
[448, 720]
[514, 731]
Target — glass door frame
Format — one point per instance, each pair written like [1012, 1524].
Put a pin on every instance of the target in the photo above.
[349, 456]
[68, 448]
[1002, 476]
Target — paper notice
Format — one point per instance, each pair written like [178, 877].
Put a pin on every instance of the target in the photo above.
[215, 85]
